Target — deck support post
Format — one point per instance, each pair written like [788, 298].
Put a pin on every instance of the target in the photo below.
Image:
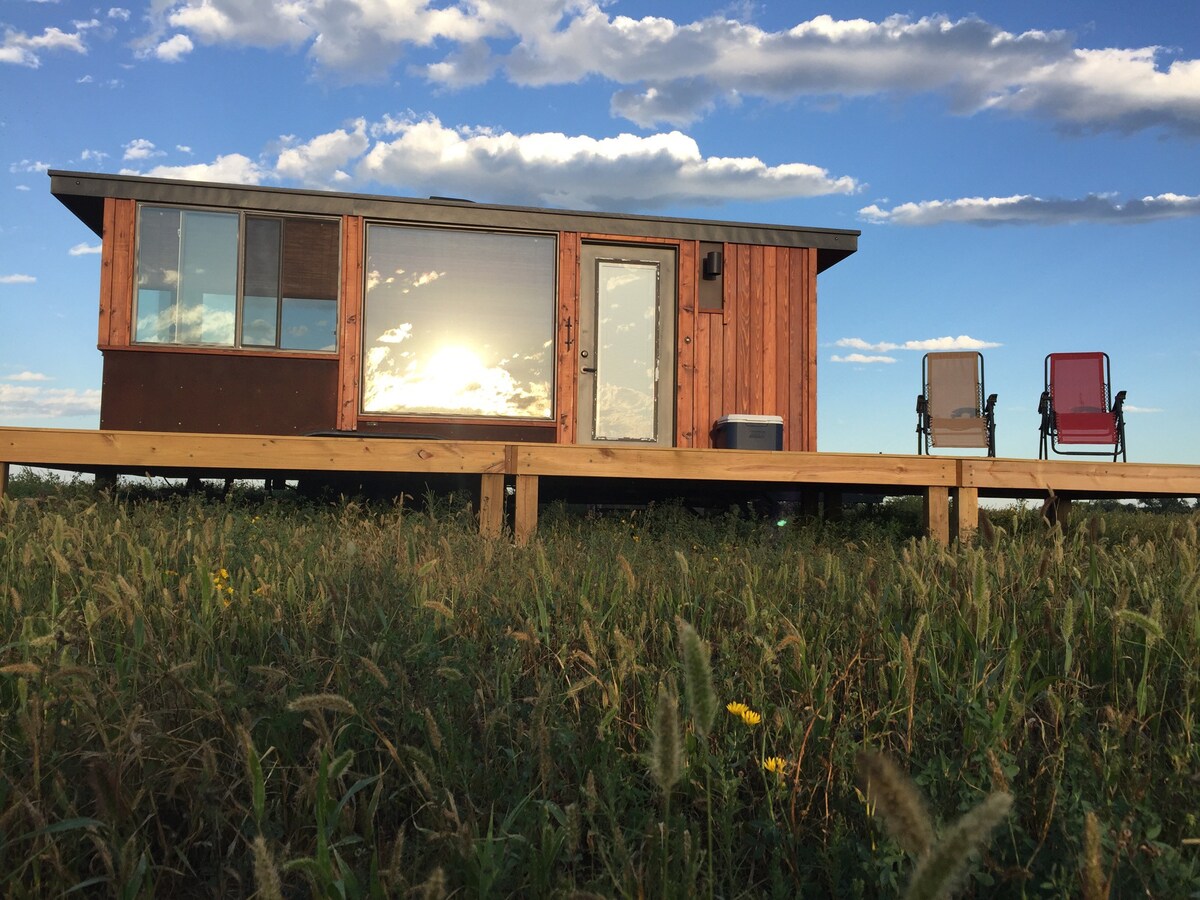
[3, 478]
[937, 513]
[491, 505]
[526, 510]
[832, 497]
[966, 513]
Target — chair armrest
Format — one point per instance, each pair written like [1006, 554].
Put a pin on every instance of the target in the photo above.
[989, 408]
[1044, 404]
[1119, 403]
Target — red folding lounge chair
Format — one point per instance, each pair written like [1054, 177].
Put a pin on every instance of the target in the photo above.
[951, 411]
[1077, 406]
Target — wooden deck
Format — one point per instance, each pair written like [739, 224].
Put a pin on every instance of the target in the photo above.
[951, 486]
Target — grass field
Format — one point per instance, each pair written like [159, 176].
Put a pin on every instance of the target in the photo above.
[207, 696]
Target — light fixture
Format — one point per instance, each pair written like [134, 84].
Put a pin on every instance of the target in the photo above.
[714, 263]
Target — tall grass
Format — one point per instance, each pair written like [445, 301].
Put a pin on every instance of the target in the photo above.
[253, 694]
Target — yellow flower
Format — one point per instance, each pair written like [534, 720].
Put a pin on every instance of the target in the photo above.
[737, 709]
[775, 764]
[751, 718]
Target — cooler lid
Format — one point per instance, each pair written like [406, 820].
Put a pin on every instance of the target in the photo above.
[750, 420]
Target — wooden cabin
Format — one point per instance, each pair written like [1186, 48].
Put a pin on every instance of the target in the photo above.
[260, 310]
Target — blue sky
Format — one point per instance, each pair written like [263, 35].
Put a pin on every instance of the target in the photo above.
[1026, 176]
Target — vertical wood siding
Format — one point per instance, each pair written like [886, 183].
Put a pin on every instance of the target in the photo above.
[567, 382]
[116, 272]
[350, 325]
[758, 355]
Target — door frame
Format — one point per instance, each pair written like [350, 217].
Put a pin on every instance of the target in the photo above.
[666, 257]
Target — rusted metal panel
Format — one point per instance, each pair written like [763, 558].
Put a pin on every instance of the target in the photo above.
[229, 393]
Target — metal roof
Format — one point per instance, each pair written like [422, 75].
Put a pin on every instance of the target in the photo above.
[83, 193]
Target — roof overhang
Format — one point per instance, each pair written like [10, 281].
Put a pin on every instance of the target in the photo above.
[83, 193]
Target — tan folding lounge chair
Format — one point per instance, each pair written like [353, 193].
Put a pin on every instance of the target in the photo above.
[1077, 406]
[951, 411]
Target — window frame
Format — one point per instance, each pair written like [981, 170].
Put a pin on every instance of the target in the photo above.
[552, 321]
[238, 346]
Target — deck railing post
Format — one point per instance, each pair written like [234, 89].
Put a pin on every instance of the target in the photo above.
[3, 478]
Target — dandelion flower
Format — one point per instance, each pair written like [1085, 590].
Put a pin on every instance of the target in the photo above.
[738, 709]
[751, 718]
[775, 764]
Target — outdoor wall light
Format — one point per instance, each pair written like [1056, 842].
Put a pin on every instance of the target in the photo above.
[714, 262]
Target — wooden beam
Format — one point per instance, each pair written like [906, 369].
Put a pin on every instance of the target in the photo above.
[3, 478]
[1081, 478]
[525, 513]
[937, 513]
[148, 450]
[735, 465]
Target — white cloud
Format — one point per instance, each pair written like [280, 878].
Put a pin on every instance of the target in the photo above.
[1029, 210]
[322, 160]
[140, 148]
[47, 403]
[20, 49]
[623, 172]
[27, 376]
[674, 72]
[862, 359]
[174, 48]
[119, 13]
[95, 156]
[29, 166]
[232, 168]
[1129, 408]
[17, 279]
[962, 342]
[84, 249]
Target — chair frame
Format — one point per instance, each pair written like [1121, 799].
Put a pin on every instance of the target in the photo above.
[984, 409]
[1049, 437]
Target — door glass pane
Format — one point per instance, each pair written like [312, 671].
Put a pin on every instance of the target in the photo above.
[458, 323]
[626, 355]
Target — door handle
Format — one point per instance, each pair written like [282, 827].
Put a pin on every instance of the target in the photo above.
[588, 370]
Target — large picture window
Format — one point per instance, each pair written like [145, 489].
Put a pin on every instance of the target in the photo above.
[458, 323]
[231, 279]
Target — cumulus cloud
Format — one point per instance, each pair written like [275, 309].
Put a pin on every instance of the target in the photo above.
[38, 402]
[322, 160]
[17, 279]
[84, 249]
[21, 49]
[232, 168]
[553, 169]
[673, 72]
[1029, 210]
[140, 148]
[961, 342]
[1129, 408]
[174, 48]
[27, 376]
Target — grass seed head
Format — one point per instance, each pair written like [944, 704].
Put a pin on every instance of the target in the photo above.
[697, 678]
[897, 800]
[942, 869]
